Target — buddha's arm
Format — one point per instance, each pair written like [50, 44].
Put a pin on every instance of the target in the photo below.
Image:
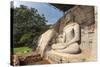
[76, 35]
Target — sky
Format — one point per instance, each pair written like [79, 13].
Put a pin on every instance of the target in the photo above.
[51, 13]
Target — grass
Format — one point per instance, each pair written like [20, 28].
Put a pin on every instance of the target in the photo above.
[22, 50]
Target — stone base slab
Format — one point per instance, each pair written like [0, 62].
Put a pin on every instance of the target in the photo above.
[56, 57]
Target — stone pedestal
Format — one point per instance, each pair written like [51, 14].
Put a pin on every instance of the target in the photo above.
[55, 57]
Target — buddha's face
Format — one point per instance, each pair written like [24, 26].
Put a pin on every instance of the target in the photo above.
[68, 18]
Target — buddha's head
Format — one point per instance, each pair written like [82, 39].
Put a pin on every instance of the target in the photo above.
[68, 18]
[62, 22]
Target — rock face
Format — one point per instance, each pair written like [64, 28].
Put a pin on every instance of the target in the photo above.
[54, 45]
[44, 40]
[15, 60]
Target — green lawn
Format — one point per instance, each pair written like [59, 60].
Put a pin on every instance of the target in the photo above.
[22, 50]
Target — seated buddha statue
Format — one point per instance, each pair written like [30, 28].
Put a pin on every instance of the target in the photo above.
[68, 40]
[64, 37]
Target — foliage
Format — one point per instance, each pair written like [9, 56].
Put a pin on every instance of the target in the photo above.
[28, 25]
[25, 37]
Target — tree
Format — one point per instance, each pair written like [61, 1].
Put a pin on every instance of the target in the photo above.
[28, 25]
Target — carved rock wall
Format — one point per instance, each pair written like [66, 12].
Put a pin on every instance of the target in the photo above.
[85, 16]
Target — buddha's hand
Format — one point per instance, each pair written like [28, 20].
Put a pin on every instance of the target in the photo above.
[59, 46]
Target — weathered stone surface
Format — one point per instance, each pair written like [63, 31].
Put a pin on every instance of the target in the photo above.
[15, 60]
[57, 57]
[84, 16]
[44, 40]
